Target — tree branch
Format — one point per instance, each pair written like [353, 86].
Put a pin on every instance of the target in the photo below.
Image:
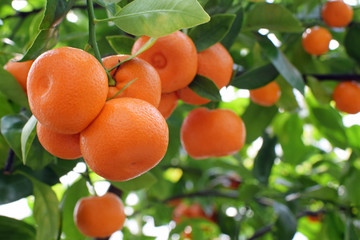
[9, 162]
[206, 193]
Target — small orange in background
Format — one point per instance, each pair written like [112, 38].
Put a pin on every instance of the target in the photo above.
[214, 63]
[212, 133]
[147, 85]
[67, 88]
[65, 146]
[20, 71]
[100, 216]
[267, 95]
[174, 57]
[168, 104]
[183, 211]
[128, 138]
[316, 40]
[337, 13]
[347, 96]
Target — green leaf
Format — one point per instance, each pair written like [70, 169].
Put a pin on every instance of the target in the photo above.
[281, 63]
[247, 191]
[274, 17]
[350, 184]
[321, 92]
[161, 17]
[286, 222]
[76, 191]
[320, 192]
[27, 137]
[264, 160]
[256, 118]
[205, 87]
[46, 210]
[45, 40]
[256, 77]
[54, 11]
[141, 182]
[352, 37]
[353, 136]
[206, 35]
[11, 128]
[121, 43]
[12, 89]
[12, 229]
[235, 29]
[110, 5]
[350, 232]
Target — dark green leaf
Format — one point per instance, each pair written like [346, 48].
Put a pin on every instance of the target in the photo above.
[76, 191]
[235, 29]
[110, 5]
[12, 89]
[11, 128]
[274, 17]
[286, 222]
[12, 229]
[281, 63]
[322, 93]
[46, 210]
[13, 187]
[206, 35]
[27, 137]
[141, 182]
[352, 37]
[54, 11]
[264, 160]
[205, 87]
[350, 184]
[45, 40]
[256, 118]
[121, 43]
[256, 77]
[161, 17]
[320, 192]
[247, 191]
[350, 232]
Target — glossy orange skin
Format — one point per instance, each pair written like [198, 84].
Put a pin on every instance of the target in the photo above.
[267, 95]
[67, 88]
[174, 57]
[212, 133]
[316, 40]
[147, 85]
[337, 13]
[128, 138]
[347, 97]
[99, 216]
[168, 104]
[214, 63]
[20, 71]
[65, 146]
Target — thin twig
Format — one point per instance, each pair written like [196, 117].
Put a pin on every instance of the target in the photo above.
[206, 193]
[9, 162]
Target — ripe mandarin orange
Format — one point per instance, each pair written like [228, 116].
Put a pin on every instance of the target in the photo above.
[316, 40]
[65, 146]
[347, 96]
[99, 216]
[214, 63]
[147, 85]
[267, 95]
[337, 13]
[212, 133]
[183, 211]
[128, 138]
[20, 71]
[168, 103]
[67, 88]
[173, 56]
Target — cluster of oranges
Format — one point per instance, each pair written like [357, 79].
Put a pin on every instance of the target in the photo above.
[316, 40]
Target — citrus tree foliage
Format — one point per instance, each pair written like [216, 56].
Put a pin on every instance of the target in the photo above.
[299, 168]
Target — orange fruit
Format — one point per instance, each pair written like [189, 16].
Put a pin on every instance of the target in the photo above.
[67, 88]
[316, 40]
[128, 138]
[347, 96]
[173, 56]
[183, 211]
[214, 63]
[168, 103]
[147, 85]
[20, 71]
[65, 146]
[212, 133]
[267, 95]
[337, 13]
[99, 216]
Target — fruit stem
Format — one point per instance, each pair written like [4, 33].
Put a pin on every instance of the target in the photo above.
[92, 39]
[86, 175]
